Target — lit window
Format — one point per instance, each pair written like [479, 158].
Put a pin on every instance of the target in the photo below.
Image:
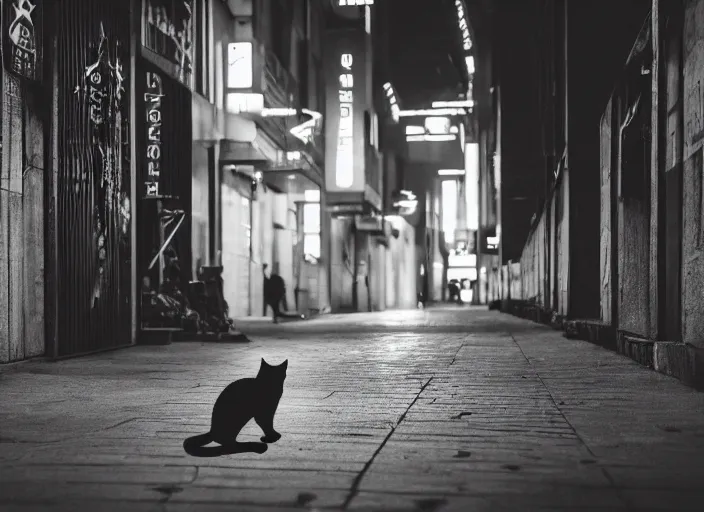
[312, 196]
[311, 230]
[311, 218]
[449, 209]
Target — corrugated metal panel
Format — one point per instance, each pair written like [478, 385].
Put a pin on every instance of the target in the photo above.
[93, 264]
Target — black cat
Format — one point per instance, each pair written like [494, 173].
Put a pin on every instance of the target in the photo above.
[239, 402]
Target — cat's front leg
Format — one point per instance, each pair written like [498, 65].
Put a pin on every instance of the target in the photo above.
[266, 423]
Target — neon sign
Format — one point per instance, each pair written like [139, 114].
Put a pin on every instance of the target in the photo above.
[393, 102]
[464, 28]
[344, 168]
[152, 98]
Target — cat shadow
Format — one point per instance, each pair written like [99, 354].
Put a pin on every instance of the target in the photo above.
[241, 401]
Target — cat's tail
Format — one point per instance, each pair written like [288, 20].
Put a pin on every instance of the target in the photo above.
[195, 447]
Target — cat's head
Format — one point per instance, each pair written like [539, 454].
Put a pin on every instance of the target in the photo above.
[269, 372]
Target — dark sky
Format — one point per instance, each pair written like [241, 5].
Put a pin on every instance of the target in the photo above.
[424, 34]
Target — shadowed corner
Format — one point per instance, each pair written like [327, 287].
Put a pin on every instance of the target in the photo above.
[241, 401]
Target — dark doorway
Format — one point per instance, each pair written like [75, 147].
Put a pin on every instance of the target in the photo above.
[671, 151]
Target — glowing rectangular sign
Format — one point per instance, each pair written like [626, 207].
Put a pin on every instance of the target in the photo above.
[437, 125]
[430, 138]
[345, 3]
[344, 168]
[239, 66]
[433, 112]
[393, 102]
[454, 103]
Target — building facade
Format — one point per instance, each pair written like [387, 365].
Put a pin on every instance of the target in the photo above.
[612, 254]
[151, 132]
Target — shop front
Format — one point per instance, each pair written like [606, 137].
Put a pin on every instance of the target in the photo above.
[272, 224]
[164, 146]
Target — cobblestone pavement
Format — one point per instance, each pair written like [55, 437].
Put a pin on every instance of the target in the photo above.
[442, 410]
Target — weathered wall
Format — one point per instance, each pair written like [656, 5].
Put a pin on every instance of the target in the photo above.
[588, 93]
[533, 266]
[633, 235]
[200, 203]
[666, 225]
[562, 241]
[401, 267]
[377, 276]
[544, 263]
[262, 248]
[22, 211]
[692, 254]
[342, 248]
[605, 237]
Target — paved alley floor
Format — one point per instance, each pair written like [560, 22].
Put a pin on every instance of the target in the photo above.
[446, 409]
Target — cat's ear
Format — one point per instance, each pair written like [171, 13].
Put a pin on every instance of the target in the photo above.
[284, 365]
[264, 363]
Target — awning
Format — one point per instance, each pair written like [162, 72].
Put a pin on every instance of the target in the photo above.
[240, 153]
[293, 182]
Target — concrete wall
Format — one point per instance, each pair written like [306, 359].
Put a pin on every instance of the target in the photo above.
[562, 266]
[605, 265]
[692, 253]
[262, 248]
[22, 220]
[342, 247]
[200, 221]
[533, 266]
[401, 269]
[544, 262]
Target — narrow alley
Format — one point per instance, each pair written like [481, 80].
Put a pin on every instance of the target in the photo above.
[446, 409]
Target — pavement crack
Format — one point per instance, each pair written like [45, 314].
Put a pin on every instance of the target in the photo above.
[454, 358]
[354, 490]
[119, 424]
[325, 398]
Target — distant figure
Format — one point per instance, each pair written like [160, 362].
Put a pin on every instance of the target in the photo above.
[239, 402]
[274, 293]
[453, 287]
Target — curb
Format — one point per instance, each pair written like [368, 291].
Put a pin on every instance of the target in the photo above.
[221, 337]
[166, 336]
[682, 361]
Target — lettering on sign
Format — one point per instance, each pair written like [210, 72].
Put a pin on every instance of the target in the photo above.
[23, 38]
[153, 101]
[344, 171]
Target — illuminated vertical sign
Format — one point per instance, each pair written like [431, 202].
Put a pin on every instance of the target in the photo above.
[344, 168]
[464, 28]
[471, 167]
[153, 101]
